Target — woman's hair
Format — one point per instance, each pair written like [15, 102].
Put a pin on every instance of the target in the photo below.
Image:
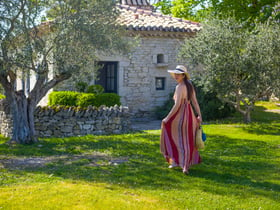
[190, 88]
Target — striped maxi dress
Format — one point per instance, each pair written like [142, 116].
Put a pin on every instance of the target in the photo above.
[177, 141]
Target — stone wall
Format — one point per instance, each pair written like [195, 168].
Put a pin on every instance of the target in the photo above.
[65, 122]
[6, 124]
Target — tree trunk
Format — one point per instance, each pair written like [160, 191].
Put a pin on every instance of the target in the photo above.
[247, 116]
[246, 113]
[23, 119]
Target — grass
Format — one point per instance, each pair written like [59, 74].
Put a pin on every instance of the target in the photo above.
[240, 170]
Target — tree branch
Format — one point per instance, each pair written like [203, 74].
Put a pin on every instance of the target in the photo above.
[41, 88]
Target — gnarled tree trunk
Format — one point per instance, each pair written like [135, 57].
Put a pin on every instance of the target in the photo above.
[247, 116]
[22, 110]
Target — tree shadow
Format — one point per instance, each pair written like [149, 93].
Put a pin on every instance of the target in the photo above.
[233, 163]
[263, 128]
[227, 163]
[259, 114]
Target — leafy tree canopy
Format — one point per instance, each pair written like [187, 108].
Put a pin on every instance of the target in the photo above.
[247, 10]
[241, 65]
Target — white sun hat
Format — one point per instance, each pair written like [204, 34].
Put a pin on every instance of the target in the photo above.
[180, 69]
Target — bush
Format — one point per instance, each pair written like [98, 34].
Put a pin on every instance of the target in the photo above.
[96, 89]
[81, 86]
[2, 96]
[66, 98]
[86, 99]
[71, 98]
[107, 99]
[211, 107]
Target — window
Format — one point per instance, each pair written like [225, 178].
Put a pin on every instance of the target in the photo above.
[160, 58]
[107, 76]
[160, 83]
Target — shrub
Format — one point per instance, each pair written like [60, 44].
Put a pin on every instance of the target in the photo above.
[71, 98]
[81, 86]
[96, 89]
[107, 99]
[66, 98]
[211, 107]
[2, 96]
[86, 99]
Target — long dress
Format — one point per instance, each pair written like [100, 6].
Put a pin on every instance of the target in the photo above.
[177, 141]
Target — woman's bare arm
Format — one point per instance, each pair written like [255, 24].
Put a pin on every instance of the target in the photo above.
[196, 106]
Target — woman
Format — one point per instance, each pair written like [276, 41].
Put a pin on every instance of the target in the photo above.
[178, 128]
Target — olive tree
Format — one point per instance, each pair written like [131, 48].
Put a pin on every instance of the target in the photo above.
[247, 11]
[242, 66]
[52, 51]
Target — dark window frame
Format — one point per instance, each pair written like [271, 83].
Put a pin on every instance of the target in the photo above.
[160, 83]
[108, 76]
[160, 58]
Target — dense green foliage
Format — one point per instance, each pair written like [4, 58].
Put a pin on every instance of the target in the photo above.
[212, 108]
[85, 88]
[2, 96]
[108, 99]
[247, 11]
[81, 86]
[240, 65]
[239, 170]
[86, 99]
[71, 98]
[66, 98]
[96, 89]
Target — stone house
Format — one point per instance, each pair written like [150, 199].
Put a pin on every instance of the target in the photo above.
[141, 78]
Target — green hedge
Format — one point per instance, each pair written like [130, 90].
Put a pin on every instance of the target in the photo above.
[66, 98]
[107, 99]
[71, 98]
[85, 99]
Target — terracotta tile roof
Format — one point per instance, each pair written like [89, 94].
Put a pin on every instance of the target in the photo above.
[136, 19]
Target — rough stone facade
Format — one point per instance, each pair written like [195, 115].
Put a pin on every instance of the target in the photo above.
[138, 75]
[65, 122]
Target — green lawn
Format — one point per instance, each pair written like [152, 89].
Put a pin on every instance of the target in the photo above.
[240, 170]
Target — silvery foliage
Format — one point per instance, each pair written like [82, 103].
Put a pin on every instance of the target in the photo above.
[241, 65]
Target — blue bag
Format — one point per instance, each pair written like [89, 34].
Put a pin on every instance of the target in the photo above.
[203, 136]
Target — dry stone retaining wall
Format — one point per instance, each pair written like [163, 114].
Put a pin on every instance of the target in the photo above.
[72, 121]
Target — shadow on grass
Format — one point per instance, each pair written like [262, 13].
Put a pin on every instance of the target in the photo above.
[263, 128]
[260, 114]
[230, 166]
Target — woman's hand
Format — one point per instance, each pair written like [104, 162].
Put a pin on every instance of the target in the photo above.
[199, 119]
[164, 120]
